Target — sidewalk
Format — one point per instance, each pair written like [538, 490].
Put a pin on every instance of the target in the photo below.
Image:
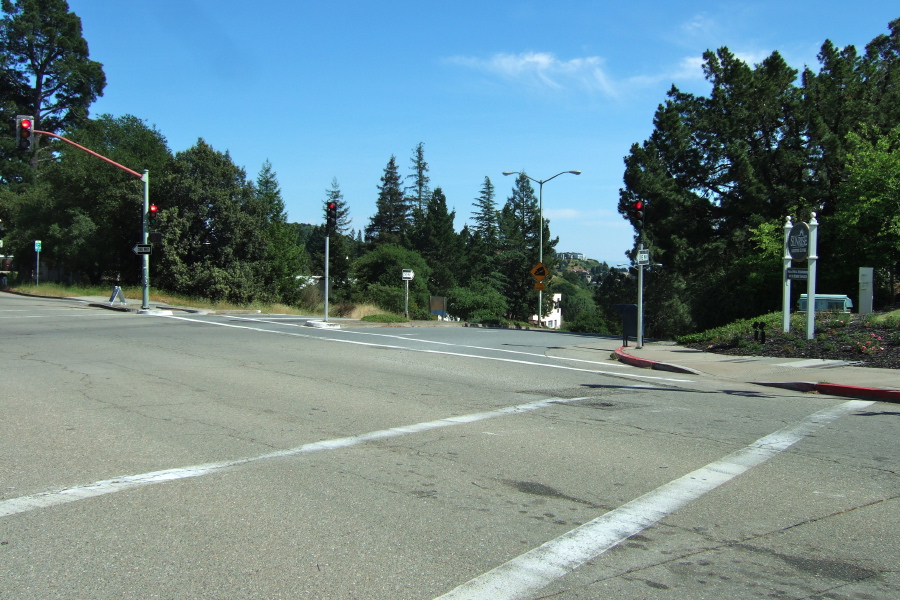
[837, 378]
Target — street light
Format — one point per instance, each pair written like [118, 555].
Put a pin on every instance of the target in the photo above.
[540, 183]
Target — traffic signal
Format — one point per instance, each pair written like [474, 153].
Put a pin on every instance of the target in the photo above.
[153, 215]
[638, 208]
[332, 217]
[24, 132]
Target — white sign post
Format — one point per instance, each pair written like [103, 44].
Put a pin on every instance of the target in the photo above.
[811, 281]
[800, 244]
[407, 275]
[786, 292]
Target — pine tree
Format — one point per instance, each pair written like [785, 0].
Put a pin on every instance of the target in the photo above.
[486, 215]
[390, 222]
[418, 193]
[439, 244]
[44, 40]
[518, 228]
[284, 258]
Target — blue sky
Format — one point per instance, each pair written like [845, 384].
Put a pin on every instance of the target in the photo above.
[332, 89]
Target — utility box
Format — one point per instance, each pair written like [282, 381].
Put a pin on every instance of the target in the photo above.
[629, 314]
[866, 289]
[827, 303]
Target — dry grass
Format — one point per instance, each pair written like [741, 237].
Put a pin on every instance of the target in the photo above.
[357, 311]
[364, 310]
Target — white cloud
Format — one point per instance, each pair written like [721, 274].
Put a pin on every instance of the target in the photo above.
[700, 26]
[563, 214]
[543, 69]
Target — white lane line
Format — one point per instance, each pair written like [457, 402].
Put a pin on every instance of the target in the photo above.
[118, 484]
[406, 338]
[441, 352]
[523, 576]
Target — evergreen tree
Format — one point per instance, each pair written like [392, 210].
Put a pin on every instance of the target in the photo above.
[44, 47]
[390, 222]
[418, 193]
[439, 244]
[518, 249]
[268, 194]
[284, 258]
[486, 215]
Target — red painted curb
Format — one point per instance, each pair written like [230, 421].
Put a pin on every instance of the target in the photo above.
[646, 363]
[854, 391]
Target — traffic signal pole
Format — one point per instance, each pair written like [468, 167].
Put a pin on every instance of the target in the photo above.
[145, 234]
[326, 277]
[145, 178]
[640, 305]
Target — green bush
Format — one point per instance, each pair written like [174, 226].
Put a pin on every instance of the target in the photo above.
[587, 322]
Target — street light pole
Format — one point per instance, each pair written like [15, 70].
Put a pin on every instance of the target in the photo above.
[540, 183]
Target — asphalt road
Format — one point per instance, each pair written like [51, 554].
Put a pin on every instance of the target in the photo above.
[248, 456]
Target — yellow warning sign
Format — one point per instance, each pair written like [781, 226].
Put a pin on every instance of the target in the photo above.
[539, 271]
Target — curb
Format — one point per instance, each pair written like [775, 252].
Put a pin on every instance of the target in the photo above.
[646, 363]
[832, 389]
[837, 389]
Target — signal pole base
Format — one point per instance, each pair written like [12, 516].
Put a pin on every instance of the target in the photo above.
[322, 324]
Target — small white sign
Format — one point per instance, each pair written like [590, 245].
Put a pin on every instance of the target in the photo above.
[643, 257]
[407, 274]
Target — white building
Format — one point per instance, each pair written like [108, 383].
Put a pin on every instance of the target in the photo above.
[553, 319]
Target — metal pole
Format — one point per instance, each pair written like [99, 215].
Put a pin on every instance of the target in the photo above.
[640, 307]
[786, 293]
[326, 277]
[540, 248]
[406, 302]
[145, 235]
[811, 282]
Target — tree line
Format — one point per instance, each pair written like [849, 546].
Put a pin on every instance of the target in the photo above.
[225, 236]
[718, 176]
[720, 173]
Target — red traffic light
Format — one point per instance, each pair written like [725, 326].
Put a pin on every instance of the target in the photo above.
[331, 217]
[638, 205]
[153, 209]
[24, 129]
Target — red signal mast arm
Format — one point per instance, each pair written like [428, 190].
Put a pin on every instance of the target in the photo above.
[91, 152]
